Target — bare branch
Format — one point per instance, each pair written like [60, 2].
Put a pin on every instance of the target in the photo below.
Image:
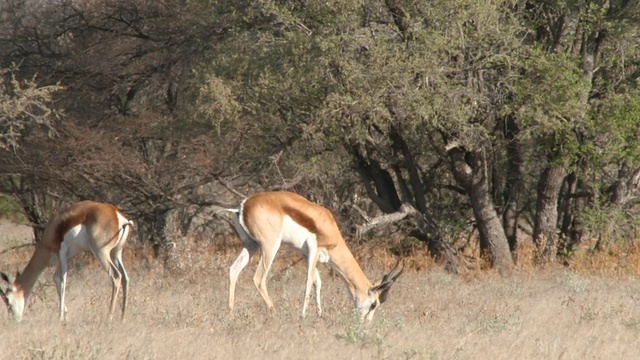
[288, 185]
[228, 186]
[404, 211]
[361, 212]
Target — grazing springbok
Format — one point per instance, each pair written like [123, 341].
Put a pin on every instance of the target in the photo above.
[85, 226]
[266, 220]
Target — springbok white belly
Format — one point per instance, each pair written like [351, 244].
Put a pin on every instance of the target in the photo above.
[75, 240]
[301, 238]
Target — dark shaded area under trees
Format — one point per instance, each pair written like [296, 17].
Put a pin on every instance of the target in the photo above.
[425, 120]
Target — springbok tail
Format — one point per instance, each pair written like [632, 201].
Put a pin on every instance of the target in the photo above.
[128, 223]
[227, 210]
[122, 232]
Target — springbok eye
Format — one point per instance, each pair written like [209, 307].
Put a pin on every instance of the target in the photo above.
[373, 306]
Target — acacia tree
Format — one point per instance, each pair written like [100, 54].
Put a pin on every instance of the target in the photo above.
[402, 91]
[26, 109]
[25, 106]
[435, 119]
[363, 83]
[578, 34]
[124, 67]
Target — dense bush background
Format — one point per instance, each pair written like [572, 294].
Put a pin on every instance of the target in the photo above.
[454, 124]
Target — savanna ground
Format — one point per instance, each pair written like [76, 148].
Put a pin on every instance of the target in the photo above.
[180, 311]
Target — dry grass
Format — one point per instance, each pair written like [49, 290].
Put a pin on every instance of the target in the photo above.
[430, 314]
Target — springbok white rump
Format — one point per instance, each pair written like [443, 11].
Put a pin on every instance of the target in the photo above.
[85, 226]
[266, 220]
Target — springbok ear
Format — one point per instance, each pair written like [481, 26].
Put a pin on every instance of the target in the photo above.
[387, 280]
[381, 288]
[393, 275]
[3, 296]
[5, 277]
[3, 292]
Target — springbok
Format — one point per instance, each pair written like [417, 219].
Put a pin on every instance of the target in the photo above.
[85, 226]
[266, 220]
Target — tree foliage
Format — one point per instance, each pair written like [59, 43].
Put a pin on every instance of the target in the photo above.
[449, 117]
[24, 106]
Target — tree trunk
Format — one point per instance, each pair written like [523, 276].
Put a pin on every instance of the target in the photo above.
[512, 184]
[377, 181]
[576, 196]
[491, 229]
[439, 249]
[409, 163]
[469, 170]
[38, 206]
[545, 227]
[383, 192]
[619, 193]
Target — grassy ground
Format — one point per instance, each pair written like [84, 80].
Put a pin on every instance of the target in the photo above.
[182, 313]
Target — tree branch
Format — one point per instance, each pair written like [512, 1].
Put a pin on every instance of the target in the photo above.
[404, 211]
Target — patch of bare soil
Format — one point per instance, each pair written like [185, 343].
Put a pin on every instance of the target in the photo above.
[429, 315]
[14, 234]
[15, 245]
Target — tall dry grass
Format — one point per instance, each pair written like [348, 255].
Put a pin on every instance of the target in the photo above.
[180, 311]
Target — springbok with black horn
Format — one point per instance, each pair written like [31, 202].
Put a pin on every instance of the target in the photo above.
[266, 220]
[85, 226]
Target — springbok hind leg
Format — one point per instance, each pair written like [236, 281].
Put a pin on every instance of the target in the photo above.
[248, 249]
[104, 258]
[116, 257]
[260, 277]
